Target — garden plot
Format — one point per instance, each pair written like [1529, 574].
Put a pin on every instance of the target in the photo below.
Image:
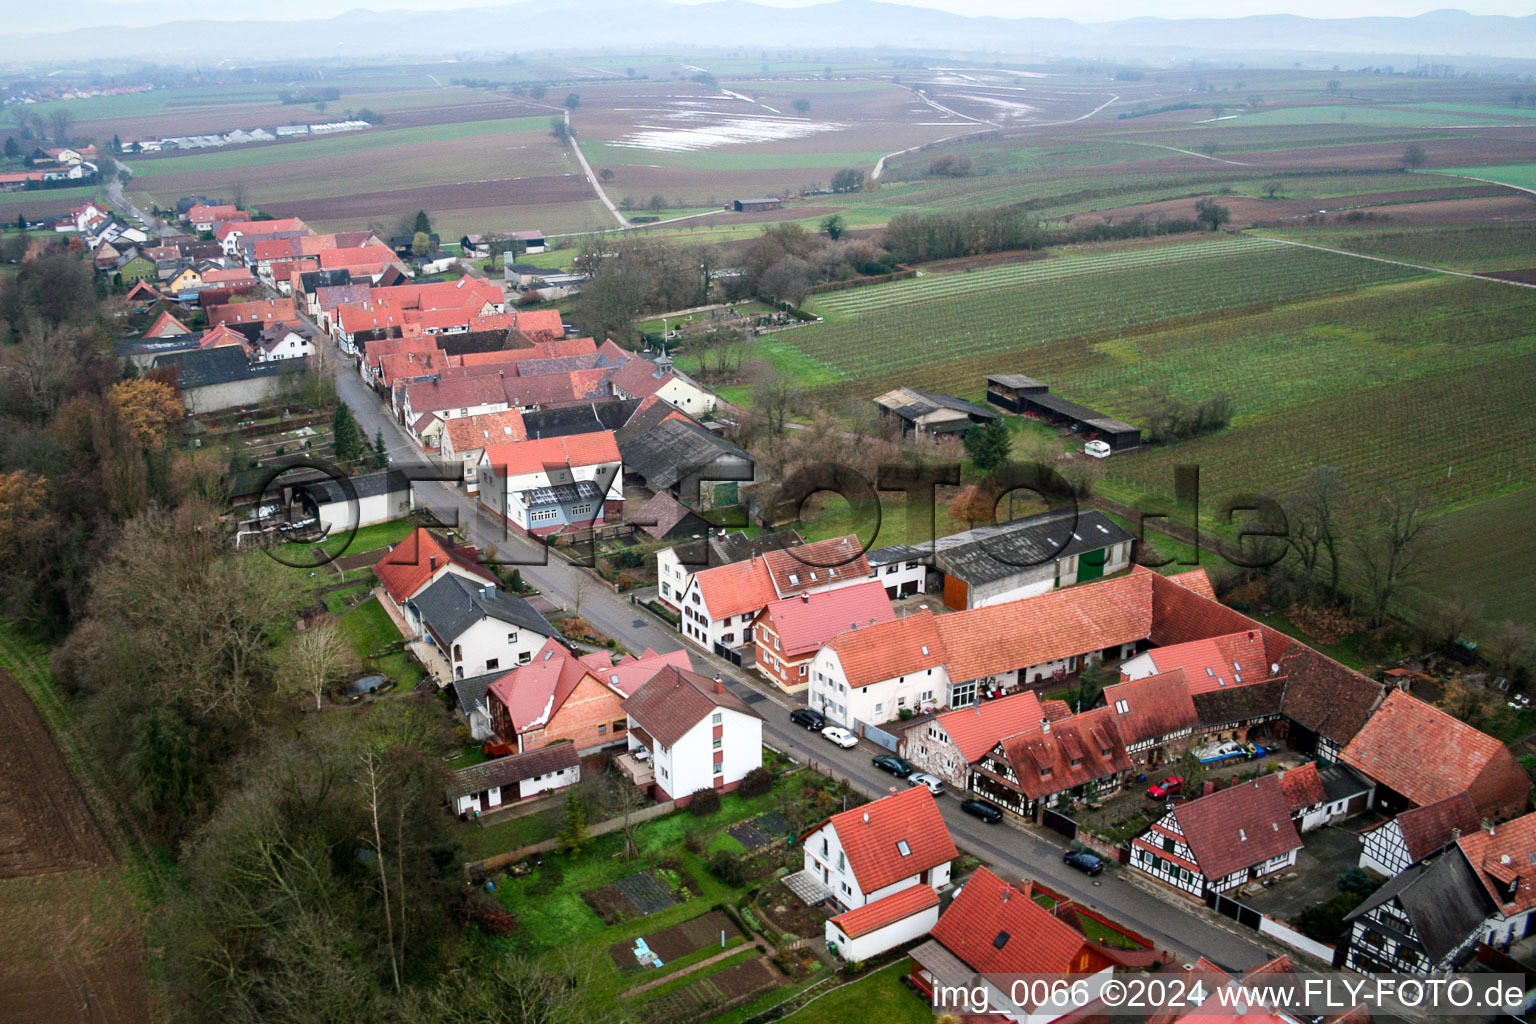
[638, 895]
[678, 941]
[724, 988]
[761, 831]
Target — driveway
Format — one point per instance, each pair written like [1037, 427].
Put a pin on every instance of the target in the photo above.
[1013, 851]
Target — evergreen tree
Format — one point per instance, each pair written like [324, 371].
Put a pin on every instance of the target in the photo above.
[423, 224]
[573, 834]
[989, 444]
[380, 457]
[348, 436]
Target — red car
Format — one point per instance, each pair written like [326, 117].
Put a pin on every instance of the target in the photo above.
[1169, 786]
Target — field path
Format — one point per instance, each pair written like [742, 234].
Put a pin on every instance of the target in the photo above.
[1398, 263]
[1490, 181]
[1190, 152]
[586, 169]
[880, 164]
[936, 105]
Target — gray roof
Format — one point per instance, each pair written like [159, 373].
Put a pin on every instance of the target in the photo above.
[674, 450]
[990, 553]
[324, 490]
[470, 693]
[738, 547]
[1442, 897]
[896, 553]
[452, 605]
[664, 516]
[1340, 781]
[507, 771]
[1092, 417]
[579, 419]
[224, 364]
[1017, 380]
[910, 404]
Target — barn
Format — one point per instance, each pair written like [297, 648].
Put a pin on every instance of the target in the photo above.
[756, 205]
[1027, 396]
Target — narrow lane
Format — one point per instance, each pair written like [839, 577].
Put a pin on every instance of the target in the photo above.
[1013, 851]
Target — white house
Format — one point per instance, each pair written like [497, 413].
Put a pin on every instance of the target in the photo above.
[380, 497]
[1029, 556]
[871, 675]
[278, 342]
[419, 561]
[901, 569]
[506, 780]
[867, 853]
[546, 485]
[641, 378]
[1220, 841]
[720, 603]
[676, 566]
[700, 735]
[884, 924]
[477, 628]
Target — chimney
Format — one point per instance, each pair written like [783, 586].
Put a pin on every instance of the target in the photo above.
[719, 684]
[1045, 726]
[1455, 834]
[433, 562]
[805, 597]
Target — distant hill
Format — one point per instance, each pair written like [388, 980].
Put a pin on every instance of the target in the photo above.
[653, 25]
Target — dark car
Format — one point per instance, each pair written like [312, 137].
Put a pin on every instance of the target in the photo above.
[989, 813]
[897, 766]
[1083, 861]
[813, 720]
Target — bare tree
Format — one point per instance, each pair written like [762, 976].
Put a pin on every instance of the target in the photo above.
[372, 794]
[314, 660]
[1389, 547]
[1315, 520]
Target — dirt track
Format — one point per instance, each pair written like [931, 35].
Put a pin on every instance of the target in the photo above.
[70, 949]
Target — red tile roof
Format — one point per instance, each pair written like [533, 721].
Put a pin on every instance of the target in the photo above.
[1061, 624]
[808, 566]
[1071, 753]
[1428, 828]
[977, 729]
[804, 623]
[995, 929]
[472, 433]
[1155, 706]
[1302, 787]
[869, 836]
[523, 457]
[886, 911]
[274, 311]
[1505, 860]
[629, 673]
[409, 565]
[1228, 660]
[259, 228]
[534, 693]
[908, 645]
[1238, 827]
[1426, 755]
[166, 326]
[406, 365]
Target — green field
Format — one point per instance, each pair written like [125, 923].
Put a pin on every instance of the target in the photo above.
[1518, 175]
[1394, 116]
[1474, 247]
[925, 324]
[345, 143]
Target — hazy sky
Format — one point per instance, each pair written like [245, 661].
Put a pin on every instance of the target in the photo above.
[88, 13]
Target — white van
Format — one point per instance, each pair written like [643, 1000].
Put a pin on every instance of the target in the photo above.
[1098, 449]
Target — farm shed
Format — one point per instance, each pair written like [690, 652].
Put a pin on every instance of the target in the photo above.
[213, 379]
[929, 413]
[506, 780]
[1033, 555]
[756, 205]
[381, 496]
[1030, 397]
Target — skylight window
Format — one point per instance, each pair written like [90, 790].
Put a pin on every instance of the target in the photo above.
[925, 650]
[794, 579]
[1000, 941]
[901, 844]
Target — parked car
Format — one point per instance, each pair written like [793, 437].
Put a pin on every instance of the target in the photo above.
[842, 737]
[897, 766]
[933, 782]
[1082, 860]
[806, 718]
[1169, 786]
[989, 813]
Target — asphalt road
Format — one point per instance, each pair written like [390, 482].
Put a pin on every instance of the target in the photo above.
[1013, 851]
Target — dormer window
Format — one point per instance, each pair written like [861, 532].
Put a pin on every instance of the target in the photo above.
[1045, 773]
[1122, 707]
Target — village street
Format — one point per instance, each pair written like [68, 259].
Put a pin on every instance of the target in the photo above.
[1013, 851]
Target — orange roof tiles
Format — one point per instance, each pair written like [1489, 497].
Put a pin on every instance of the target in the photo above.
[872, 837]
[1302, 787]
[472, 433]
[275, 311]
[410, 564]
[977, 729]
[1237, 827]
[891, 649]
[996, 929]
[1232, 659]
[524, 457]
[1072, 752]
[735, 588]
[1425, 755]
[816, 564]
[1505, 859]
[886, 911]
[1428, 828]
[804, 623]
[1061, 624]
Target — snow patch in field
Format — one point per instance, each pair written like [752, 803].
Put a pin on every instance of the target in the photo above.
[1012, 107]
[722, 130]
